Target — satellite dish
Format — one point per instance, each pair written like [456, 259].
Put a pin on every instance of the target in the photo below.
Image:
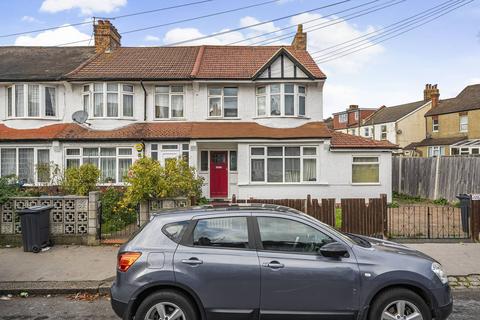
[80, 116]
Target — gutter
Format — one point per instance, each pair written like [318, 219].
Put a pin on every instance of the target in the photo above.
[144, 101]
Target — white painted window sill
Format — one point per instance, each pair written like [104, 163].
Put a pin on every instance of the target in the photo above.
[366, 184]
[281, 117]
[223, 118]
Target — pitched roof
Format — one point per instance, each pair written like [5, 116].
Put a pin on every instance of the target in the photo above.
[40, 63]
[346, 141]
[187, 62]
[468, 99]
[394, 113]
[435, 142]
[189, 130]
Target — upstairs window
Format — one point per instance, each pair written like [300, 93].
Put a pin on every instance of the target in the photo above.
[342, 118]
[281, 99]
[223, 102]
[366, 132]
[464, 123]
[31, 101]
[383, 132]
[169, 102]
[108, 99]
[435, 125]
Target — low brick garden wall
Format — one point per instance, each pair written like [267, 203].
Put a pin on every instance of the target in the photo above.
[73, 219]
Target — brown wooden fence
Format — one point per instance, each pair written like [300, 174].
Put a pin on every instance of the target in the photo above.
[365, 218]
[357, 216]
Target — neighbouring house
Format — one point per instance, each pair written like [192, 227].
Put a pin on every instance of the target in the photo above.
[401, 124]
[452, 125]
[248, 118]
[350, 120]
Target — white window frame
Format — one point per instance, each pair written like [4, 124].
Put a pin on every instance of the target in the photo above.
[35, 159]
[118, 156]
[377, 162]
[435, 151]
[366, 131]
[120, 93]
[170, 95]
[435, 125]
[296, 101]
[383, 133]
[343, 117]
[222, 97]
[356, 115]
[463, 123]
[41, 101]
[302, 157]
[159, 151]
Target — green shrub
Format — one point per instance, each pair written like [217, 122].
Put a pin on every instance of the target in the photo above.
[80, 181]
[147, 179]
[394, 204]
[8, 188]
[441, 202]
[115, 216]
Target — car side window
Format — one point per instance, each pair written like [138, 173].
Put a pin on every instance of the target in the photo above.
[221, 233]
[280, 234]
[175, 230]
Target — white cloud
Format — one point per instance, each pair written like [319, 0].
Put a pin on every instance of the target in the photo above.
[333, 35]
[29, 19]
[54, 37]
[86, 7]
[151, 38]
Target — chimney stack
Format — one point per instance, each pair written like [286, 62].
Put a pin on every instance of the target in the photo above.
[432, 93]
[300, 40]
[353, 107]
[107, 37]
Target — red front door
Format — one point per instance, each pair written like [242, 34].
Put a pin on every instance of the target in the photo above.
[218, 174]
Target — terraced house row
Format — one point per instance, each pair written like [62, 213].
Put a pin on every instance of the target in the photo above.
[426, 128]
[248, 118]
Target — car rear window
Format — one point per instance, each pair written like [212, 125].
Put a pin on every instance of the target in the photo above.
[175, 230]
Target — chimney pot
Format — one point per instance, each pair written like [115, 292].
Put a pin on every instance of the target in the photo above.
[300, 39]
[432, 93]
[107, 37]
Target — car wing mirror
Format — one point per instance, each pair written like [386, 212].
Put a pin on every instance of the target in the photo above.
[334, 250]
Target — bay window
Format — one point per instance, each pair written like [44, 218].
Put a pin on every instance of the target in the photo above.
[365, 170]
[108, 99]
[223, 102]
[283, 164]
[169, 102]
[31, 101]
[281, 99]
[113, 162]
[29, 164]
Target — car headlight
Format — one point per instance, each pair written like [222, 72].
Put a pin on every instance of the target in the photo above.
[438, 270]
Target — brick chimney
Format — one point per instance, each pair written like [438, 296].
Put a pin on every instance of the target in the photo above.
[300, 40]
[432, 93]
[353, 107]
[107, 37]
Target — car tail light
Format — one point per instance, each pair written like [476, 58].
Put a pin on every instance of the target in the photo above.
[127, 259]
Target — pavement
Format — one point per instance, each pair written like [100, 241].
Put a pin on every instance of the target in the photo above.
[466, 306]
[69, 269]
[458, 259]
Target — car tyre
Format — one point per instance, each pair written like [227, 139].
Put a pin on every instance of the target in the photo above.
[393, 300]
[168, 300]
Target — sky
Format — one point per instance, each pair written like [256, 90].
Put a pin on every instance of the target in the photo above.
[445, 51]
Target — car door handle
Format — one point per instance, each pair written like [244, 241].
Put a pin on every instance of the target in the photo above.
[192, 261]
[274, 265]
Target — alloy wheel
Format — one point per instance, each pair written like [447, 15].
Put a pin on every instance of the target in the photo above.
[401, 310]
[165, 311]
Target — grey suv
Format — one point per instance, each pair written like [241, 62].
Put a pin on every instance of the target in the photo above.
[270, 262]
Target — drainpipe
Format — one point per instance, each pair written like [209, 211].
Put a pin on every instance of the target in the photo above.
[144, 101]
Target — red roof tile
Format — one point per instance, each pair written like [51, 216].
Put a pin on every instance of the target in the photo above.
[347, 141]
[190, 130]
[192, 62]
